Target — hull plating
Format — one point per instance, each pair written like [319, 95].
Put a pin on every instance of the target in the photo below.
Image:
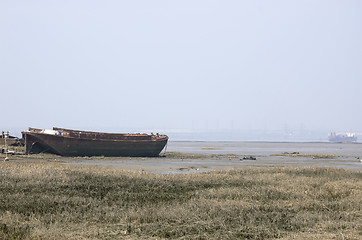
[72, 146]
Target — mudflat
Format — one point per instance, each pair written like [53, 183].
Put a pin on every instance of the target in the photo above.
[190, 157]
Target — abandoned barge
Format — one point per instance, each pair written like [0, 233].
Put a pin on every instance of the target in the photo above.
[67, 142]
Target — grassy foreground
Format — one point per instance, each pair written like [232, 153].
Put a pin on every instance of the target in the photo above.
[54, 201]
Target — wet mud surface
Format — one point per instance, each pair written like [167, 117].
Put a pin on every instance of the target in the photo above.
[192, 157]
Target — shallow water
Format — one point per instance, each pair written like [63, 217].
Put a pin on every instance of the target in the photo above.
[266, 148]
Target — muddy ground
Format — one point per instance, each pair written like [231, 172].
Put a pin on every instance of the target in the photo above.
[192, 157]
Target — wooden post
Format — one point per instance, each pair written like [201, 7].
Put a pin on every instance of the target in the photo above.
[26, 144]
[6, 135]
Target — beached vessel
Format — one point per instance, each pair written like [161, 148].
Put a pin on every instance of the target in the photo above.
[348, 137]
[67, 142]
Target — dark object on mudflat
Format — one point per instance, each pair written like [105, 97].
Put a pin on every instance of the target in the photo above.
[67, 142]
[7, 151]
[290, 153]
[249, 158]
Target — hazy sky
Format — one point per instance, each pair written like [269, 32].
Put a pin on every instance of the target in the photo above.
[126, 65]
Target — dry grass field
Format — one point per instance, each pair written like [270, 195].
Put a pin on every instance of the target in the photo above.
[45, 200]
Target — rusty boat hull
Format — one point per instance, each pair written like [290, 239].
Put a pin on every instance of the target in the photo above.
[66, 142]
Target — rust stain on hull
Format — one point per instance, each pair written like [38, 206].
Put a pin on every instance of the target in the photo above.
[67, 142]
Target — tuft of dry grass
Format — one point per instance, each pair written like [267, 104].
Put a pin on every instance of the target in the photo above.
[49, 200]
[211, 148]
[308, 155]
[179, 155]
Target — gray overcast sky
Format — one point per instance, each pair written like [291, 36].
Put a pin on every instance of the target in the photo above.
[124, 65]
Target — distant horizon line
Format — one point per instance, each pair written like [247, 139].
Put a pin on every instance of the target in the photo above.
[257, 131]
